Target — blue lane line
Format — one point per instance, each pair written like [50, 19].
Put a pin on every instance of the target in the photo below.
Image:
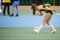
[26, 21]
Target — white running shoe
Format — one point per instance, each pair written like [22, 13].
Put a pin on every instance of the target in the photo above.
[53, 31]
[36, 30]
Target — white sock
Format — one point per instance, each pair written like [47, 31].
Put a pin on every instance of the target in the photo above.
[41, 26]
[52, 27]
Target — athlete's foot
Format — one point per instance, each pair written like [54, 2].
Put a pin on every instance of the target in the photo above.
[36, 30]
[53, 31]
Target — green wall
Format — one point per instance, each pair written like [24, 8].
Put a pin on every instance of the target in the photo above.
[29, 2]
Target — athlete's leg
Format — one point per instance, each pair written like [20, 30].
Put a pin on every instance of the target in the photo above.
[46, 18]
[42, 24]
[51, 25]
[48, 21]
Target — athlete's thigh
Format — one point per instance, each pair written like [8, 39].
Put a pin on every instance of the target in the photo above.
[47, 17]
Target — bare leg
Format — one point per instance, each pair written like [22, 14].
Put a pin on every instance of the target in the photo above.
[46, 19]
[42, 24]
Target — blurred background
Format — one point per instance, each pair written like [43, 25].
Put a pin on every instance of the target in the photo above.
[29, 2]
[21, 27]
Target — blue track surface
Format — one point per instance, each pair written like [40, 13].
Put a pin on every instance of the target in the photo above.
[26, 21]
